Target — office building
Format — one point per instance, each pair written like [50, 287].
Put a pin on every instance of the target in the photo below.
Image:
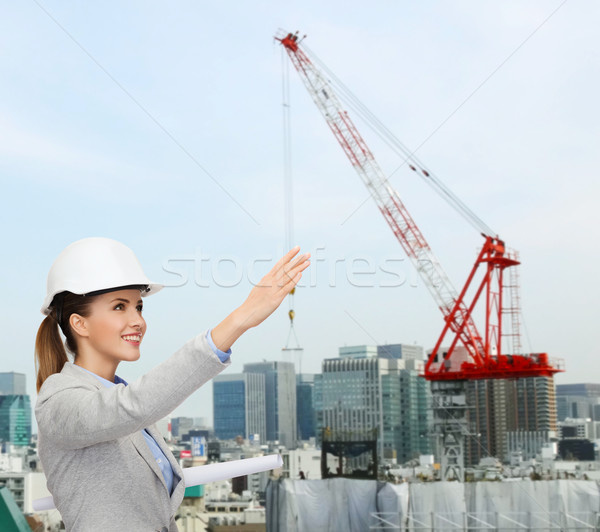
[12, 383]
[239, 406]
[318, 407]
[15, 419]
[581, 400]
[369, 389]
[280, 400]
[417, 415]
[579, 389]
[358, 351]
[181, 425]
[578, 428]
[305, 409]
[575, 406]
[401, 351]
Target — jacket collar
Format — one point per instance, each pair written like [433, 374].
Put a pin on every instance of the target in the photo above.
[73, 370]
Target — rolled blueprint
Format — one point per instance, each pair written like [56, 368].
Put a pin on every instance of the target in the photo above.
[193, 476]
[236, 468]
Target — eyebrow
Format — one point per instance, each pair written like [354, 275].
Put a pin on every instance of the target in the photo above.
[124, 300]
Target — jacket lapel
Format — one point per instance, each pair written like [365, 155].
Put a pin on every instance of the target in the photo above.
[178, 484]
[139, 442]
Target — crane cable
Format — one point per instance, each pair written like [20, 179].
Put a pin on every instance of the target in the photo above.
[287, 153]
[409, 158]
[287, 179]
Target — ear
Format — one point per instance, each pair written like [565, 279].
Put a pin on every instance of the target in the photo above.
[79, 325]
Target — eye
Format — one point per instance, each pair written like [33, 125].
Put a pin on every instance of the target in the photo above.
[140, 308]
[119, 307]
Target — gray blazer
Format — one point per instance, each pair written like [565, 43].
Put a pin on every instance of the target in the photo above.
[98, 466]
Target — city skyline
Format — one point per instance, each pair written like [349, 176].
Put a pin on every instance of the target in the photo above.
[386, 351]
[501, 97]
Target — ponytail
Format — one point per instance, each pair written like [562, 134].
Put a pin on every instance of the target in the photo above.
[50, 352]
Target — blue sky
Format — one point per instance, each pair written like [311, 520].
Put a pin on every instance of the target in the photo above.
[131, 120]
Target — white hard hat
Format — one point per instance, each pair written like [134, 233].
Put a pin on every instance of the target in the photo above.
[95, 264]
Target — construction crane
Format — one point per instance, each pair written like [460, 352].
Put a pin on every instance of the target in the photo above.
[470, 355]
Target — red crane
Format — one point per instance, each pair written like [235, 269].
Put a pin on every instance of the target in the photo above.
[484, 358]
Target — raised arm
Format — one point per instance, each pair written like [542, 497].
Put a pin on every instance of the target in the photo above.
[264, 298]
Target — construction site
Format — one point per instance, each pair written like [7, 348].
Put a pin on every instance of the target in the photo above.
[483, 385]
[434, 368]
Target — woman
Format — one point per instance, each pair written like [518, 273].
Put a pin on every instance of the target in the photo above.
[106, 464]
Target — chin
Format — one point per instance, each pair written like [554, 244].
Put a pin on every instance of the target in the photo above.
[131, 357]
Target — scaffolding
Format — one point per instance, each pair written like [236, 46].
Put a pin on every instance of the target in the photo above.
[359, 505]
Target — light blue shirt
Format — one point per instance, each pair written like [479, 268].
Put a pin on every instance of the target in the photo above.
[161, 460]
[223, 355]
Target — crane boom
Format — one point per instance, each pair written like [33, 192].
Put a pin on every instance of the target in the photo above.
[484, 359]
[387, 199]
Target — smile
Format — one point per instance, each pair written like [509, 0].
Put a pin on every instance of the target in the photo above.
[132, 338]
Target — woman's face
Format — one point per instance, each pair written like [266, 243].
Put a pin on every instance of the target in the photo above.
[115, 327]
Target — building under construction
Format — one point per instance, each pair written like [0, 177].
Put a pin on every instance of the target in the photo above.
[503, 406]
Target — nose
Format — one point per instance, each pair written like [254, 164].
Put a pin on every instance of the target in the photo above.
[136, 320]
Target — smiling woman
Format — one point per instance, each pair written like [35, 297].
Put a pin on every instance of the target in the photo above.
[107, 466]
[111, 333]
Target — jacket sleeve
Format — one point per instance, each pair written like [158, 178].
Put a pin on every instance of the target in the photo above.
[72, 415]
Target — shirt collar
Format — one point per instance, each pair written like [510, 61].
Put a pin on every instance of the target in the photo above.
[107, 383]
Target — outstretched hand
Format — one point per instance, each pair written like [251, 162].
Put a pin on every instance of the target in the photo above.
[268, 294]
[264, 298]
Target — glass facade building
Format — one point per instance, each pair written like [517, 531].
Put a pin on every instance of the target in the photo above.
[280, 400]
[368, 389]
[581, 400]
[12, 383]
[305, 409]
[15, 419]
[239, 406]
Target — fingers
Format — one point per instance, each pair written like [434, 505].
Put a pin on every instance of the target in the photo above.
[299, 265]
[290, 278]
[286, 258]
[292, 265]
[285, 270]
[288, 271]
[283, 264]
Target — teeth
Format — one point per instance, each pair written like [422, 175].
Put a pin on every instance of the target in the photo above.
[133, 337]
